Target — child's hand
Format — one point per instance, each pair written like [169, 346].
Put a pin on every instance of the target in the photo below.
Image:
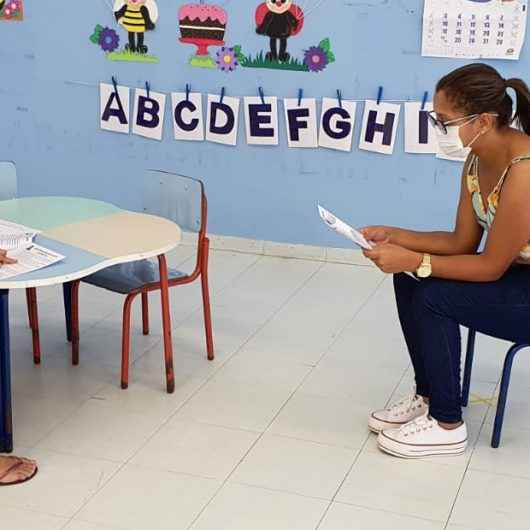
[4, 260]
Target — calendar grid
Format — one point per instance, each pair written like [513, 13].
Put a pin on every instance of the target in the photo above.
[474, 30]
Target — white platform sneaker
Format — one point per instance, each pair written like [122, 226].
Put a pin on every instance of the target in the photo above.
[423, 437]
[398, 414]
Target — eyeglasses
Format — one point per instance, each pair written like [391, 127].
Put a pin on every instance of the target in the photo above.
[442, 125]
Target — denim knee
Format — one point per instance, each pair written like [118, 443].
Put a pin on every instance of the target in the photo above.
[431, 295]
[404, 284]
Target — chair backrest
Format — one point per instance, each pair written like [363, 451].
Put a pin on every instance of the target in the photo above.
[8, 181]
[176, 197]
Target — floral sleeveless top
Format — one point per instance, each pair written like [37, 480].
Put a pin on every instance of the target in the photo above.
[486, 213]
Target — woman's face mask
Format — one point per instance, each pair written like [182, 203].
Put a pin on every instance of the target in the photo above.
[449, 139]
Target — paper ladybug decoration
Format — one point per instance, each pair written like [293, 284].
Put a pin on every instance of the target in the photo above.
[279, 20]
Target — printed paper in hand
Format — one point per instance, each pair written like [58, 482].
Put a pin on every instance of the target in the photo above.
[343, 229]
[29, 259]
[474, 29]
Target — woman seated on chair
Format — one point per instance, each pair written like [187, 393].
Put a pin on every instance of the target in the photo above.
[489, 291]
[14, 470]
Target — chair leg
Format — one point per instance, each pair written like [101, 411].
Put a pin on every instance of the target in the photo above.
[126, 340]
[206, 301]
[31, 295]
[503, 394]
[145, 313]
[470, 352]
[166, 324]
[74, 321]
[67, 297]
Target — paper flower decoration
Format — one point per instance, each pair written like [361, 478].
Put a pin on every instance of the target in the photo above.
[12, 9]
[315, 59]
[109, 40]
[226, 59]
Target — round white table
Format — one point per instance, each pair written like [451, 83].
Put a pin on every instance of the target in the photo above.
[92, 235]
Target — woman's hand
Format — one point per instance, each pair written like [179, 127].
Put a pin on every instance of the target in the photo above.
[4, 260]
[394, 259]
[377, 234]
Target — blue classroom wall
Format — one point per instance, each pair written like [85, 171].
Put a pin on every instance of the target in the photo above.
[49, 118]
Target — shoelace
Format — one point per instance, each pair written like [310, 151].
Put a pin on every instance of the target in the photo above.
[419, 424]
[405, 403]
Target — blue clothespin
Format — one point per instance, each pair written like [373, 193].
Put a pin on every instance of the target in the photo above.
[115, 83]
[379, 95]
[261, 95]
[424, 102]
[222, 94]
[300, 96]
[188, 89]
[339, 97]
[148, 89]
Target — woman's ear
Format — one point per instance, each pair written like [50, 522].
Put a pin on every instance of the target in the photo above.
[486, 122]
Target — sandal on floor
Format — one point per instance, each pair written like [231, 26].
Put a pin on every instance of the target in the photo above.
[17, 463]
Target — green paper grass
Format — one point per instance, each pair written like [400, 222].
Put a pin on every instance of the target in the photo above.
[247, 61]
[132, 57]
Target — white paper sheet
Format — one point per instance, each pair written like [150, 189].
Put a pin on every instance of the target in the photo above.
[420, 135]
[149, 118]
[263, 128]
[337, 124]
[343, 229]
[301, 121]
[29, 259]
[384, 118]
[474, 29]
[14, 236]
[192, 116]
[118, 119]
[221, 119]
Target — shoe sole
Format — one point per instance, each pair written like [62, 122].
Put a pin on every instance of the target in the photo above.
[416, 456]
[388, 445]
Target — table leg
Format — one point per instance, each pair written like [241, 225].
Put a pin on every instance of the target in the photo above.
[166, 324]
[67, 297]
[6, 421]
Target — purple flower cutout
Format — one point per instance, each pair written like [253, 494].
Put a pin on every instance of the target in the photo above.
[226, 59]
[316, 59]
[109, 40]
[12, 8]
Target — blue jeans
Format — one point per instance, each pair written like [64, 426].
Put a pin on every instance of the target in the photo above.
[431, 312]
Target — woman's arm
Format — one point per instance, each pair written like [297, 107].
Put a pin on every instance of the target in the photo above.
[464, 239]
[508, 235]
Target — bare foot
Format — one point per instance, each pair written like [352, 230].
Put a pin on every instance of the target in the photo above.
[15, 470]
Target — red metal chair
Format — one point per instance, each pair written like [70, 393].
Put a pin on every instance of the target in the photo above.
[8, 191]
[183, 200]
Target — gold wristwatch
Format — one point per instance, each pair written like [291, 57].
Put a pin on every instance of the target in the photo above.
[425, 268]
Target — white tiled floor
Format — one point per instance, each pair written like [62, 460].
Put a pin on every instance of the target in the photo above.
[270, 435]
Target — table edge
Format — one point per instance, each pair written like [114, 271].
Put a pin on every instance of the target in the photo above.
[11, 283]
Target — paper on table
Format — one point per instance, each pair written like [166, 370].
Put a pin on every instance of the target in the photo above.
[14, 236]
[29, 259]
[343, 229]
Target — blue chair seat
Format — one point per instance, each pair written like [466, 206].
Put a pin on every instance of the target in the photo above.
[129, 277]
